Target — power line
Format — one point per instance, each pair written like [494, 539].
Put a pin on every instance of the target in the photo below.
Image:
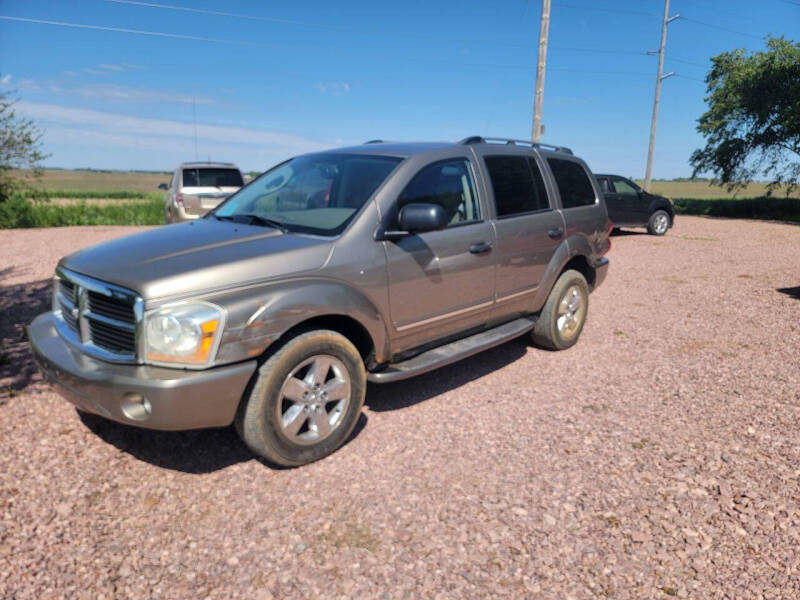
[257, 44]
[178, 36]
[324, 26]
[608, 10]
[689, 78]
[686, 62]
[720, 27]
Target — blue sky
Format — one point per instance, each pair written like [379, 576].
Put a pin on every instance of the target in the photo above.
[269, 80]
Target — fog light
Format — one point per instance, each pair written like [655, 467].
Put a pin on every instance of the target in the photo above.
[135, 406]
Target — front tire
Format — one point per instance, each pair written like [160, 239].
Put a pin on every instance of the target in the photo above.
[561, 321]
[306, 400]
[658, 223]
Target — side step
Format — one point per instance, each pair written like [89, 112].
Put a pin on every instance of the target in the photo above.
[453, 352]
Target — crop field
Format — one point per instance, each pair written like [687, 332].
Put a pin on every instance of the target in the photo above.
[114, 184]
[103, 182]
[86, 197]
[703, 189]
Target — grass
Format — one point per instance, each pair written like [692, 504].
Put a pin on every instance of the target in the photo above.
[770, 208]
[99, 194]
[101, 182]
[703, 189]
[20, 213]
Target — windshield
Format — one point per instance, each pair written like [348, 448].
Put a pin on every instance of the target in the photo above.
[315, 193]
[210, 177]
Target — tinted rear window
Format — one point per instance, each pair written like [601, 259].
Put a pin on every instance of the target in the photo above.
[518, 185]
[573, 183]
[211, 177]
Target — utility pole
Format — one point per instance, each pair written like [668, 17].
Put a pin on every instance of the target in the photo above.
[659, 79]
[544, 28]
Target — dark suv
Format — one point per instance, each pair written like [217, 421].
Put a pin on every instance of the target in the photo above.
[630, 206]
[370, 263]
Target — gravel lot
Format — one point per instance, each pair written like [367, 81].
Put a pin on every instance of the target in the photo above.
[660, 457]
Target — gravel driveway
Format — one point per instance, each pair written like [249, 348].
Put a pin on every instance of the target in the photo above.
[659, 457]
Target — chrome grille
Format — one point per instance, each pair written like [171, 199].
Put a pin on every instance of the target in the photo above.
[111, 308]
[103, 319]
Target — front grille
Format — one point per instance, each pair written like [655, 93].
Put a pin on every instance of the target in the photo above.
[100, 317]
[112, 308]
[67, 289]
[112, 338]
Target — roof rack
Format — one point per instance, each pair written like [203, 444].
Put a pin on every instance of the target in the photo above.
[373, 142]
[476, 139]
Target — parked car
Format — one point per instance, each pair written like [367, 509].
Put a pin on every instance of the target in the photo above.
[370, 263]
[630, 206]
[196, 188]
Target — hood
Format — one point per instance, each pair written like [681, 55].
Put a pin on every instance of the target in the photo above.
[198, 256]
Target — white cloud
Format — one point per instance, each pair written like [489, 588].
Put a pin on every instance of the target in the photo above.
[132, 94]
[111, 67]
[335, 88]
[6, 79]
[71, 73]
[108, 91]
[98, 127]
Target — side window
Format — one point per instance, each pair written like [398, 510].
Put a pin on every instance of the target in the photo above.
[603, 181]
[623, 187]
[190, 178]
[449, 184]
[573, 183]
[518, 185]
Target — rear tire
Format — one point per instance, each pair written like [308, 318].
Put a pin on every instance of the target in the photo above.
[658, 223]
[561, 321]
[305, 401]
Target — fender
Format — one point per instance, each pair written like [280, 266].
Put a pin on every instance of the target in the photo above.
[660, 203]
[261, 315]
[560, 258]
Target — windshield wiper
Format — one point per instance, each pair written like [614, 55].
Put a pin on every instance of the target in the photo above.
[255, 219]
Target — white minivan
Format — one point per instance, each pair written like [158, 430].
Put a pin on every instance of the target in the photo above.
[196, 188]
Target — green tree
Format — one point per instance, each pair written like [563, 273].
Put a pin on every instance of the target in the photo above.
[752, 125]
[20, 147]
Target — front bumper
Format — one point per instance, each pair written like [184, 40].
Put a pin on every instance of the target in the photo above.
[178, 399]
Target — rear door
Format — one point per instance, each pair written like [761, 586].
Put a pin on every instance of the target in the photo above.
[441, 282]
[528, 226]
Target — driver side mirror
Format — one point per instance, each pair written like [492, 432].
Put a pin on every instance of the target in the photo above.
[420, 217]
[162, 186]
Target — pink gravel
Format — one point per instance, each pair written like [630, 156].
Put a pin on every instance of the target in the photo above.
[660, 457]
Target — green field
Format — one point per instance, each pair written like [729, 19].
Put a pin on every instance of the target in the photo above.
[703, 189]
[122, 197]
[121, 184]
[97, 182]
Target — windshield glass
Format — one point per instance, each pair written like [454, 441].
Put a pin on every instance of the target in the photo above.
[210, 177]
[315, 193]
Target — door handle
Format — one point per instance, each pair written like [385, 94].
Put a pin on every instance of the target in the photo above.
[555, 233]
[480, 247]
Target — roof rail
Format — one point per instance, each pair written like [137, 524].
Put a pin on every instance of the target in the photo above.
[373, 142]
[476, 139]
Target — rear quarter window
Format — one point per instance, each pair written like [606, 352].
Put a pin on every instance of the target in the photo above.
[573, 183]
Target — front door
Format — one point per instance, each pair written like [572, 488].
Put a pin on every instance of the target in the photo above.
[442, 282]
[629, 199]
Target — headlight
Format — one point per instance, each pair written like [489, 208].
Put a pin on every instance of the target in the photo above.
[183, 333]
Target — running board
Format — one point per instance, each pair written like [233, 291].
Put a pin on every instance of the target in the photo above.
[453, 352]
